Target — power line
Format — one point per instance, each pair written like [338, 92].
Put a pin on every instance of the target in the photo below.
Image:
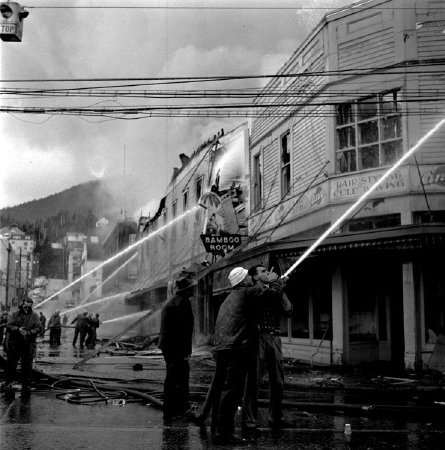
[333, 10]
[410, 64]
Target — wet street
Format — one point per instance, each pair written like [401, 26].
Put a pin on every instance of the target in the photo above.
[46, 420]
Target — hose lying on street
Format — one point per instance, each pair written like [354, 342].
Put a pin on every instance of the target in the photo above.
[83, 390]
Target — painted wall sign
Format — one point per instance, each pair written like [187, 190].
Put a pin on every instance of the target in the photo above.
[350, 187]
[290, 209]
[433, 177]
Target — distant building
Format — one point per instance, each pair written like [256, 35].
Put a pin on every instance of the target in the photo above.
[91, 285]
[23, 245]
[115, 274]
[207, 196]
[7, 273]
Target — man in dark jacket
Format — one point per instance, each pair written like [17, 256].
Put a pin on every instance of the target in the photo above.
[23, 328]
[42, 324]
[80, 329]
[270, 309]
[92, 335]
[235, 340]
[55, 328]
[175, 341]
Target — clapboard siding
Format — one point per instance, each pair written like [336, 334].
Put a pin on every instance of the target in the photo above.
[309, 151]
[433, 150]
[310, 59]
[366, 51]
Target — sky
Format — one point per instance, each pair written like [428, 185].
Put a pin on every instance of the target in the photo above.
[42, 155]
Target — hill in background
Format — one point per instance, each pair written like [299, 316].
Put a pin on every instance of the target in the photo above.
[75, 209]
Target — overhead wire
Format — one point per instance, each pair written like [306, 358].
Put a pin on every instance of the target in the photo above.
[409, 64]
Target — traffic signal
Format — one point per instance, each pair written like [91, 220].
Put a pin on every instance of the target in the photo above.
[11, 21]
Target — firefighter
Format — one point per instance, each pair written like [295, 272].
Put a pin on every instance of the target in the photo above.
[23, 328]
[236, 342]
[175, 341]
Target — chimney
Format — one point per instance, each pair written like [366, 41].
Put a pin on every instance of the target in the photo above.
[184, 159]
[175, 172]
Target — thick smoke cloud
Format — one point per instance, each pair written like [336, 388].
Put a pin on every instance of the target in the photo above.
[42, 155]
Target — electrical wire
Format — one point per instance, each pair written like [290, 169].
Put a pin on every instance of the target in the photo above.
[408, 64]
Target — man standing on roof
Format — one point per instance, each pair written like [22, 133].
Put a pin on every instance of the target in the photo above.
[175, 341]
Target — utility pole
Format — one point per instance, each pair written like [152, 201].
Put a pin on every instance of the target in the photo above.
[7, 273]
[20, 268]
[124, 213]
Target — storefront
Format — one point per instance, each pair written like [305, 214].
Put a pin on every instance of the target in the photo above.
[360, 297]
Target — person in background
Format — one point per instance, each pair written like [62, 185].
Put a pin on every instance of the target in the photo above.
[80, 329]
[175, 341]
[270, 309]
[3, 322]
[95, 322]
[23, 328]
[43, 324]
[64, 324]
[55, 328]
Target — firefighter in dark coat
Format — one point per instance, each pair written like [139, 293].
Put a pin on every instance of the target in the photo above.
[55, 328]
[175, 341]
[23, 328]
[236, 342]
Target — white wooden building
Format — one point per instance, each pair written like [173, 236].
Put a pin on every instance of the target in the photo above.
[364, 87]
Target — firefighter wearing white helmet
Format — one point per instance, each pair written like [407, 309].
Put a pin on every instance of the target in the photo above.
[235, 341]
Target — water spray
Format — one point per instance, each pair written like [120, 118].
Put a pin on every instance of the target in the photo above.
[83, 302]
[123, 252]
[96, 302]
[128, 316]
[362, 198]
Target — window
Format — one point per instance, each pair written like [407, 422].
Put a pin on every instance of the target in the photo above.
[373, 223]
[174, 206]
[199, 185]
[285, 163]
[185, 198]
[257, 182]
[368, 133]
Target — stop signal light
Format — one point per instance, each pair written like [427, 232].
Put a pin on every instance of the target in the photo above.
[11, 21]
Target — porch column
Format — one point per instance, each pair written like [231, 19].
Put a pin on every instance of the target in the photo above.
[339, 319]
[410, 317]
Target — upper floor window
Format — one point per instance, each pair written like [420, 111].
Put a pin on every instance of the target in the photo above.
[285, 163]
[199, 184]
[368, 133]
[257, 182]
[174, 210]
[199, 187]
[185, 199]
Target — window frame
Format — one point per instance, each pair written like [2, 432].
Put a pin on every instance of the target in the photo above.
[361, 132]
[285, 167]
[257, 170]
[174, 213]
[185, 201]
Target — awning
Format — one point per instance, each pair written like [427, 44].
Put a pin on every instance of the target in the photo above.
[403, 239]
[139, 292]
